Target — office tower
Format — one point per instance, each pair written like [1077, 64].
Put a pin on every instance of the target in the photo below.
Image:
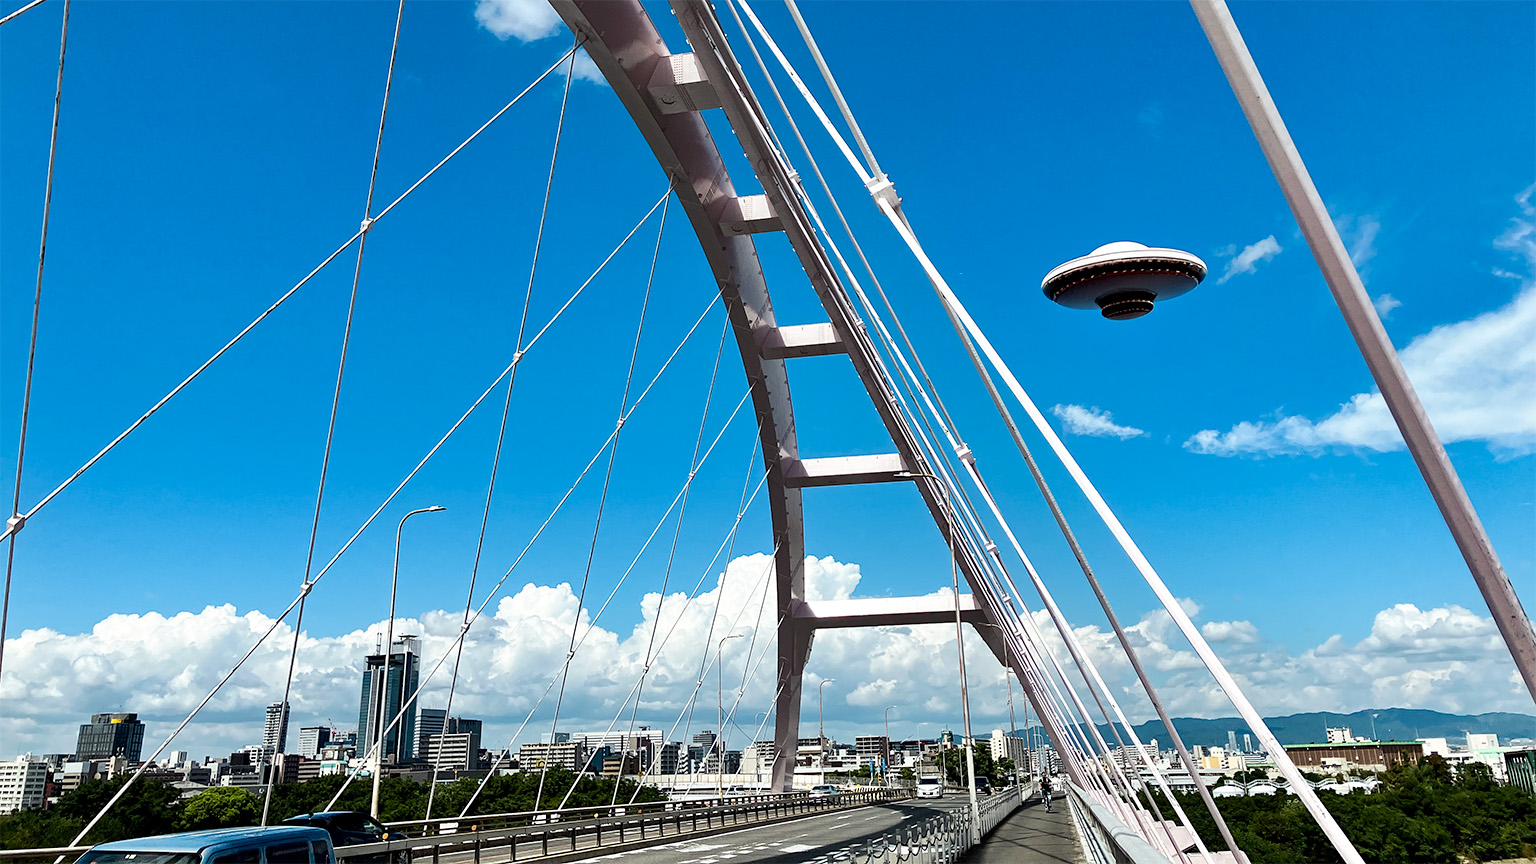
[109, 735]
[1231, 741]
[429, 722]
[275, 735]
[312, 739]
[390, 686]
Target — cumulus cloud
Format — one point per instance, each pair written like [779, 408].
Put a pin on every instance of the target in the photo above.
[1476, 379]
[1248, 260]
[523, 20]
[1093, 421]
[531, 21]
[1447, 658]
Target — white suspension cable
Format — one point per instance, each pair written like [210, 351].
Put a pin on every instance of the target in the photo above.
[8, 18]
[15, 524]
[330, 430]
[506, 411]
[309, 584]
[15, 520]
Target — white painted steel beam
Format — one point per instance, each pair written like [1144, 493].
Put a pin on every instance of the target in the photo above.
[845, 471]
[678, 85]
[801, 340]
[749, 214]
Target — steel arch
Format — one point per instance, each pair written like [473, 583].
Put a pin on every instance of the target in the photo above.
[664, 94]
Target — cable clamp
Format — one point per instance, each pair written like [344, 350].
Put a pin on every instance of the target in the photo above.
[991, 548]
[964, 454]
[367, 225]
[569, 655]
[517, 357]
[308, 586]
[16, 523]
[691, 475]
[883, 191]
[464, 628]
[619, 425]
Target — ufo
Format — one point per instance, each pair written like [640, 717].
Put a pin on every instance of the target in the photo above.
[1122, 280]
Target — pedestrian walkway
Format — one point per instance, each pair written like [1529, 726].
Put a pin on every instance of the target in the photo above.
[1031, 836]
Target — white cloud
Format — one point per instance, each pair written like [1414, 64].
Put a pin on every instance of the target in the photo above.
[1230, 631]
[1476, 379]
[1093, 421]
[523, 20]
[1248, 260]
[1359, 236]
[1447, 658]
[1385, 303]
[530, 21]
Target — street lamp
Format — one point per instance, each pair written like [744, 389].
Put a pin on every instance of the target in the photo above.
[389, 639]
[887, 762]
[821, 730]
[720, 718]
[965, 697]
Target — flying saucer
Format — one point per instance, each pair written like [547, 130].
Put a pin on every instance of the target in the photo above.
[1122, 280]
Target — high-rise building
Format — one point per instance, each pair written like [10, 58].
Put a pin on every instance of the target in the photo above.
[23, 784]
[109, 735]
[429, 722]
[389, 686]
[275, 735]
[1232, 740]
[312, 739]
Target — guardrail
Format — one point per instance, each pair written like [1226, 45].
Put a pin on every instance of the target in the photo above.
[529, 835]
[1106, 839]
[940, 839]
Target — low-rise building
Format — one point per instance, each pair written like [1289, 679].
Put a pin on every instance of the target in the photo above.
[1368, 755]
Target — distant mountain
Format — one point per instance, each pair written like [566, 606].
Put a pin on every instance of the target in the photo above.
[1392, 724]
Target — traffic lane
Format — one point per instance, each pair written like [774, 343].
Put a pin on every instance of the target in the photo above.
[801, 840]
[533, 847]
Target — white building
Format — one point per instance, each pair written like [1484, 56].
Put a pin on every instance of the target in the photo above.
[22, 784]
[1005, 746]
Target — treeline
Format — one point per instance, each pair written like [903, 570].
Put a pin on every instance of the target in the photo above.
[1425, 812]
[152, 807]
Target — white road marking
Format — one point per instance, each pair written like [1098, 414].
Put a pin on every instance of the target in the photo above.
[799, 847]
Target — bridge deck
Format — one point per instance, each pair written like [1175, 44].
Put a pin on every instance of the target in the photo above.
[1031, 836]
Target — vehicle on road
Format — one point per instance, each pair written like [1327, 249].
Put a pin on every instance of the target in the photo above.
[930, 787]
[824, 791]
[351, 828]
[983, 786]
[276, 845]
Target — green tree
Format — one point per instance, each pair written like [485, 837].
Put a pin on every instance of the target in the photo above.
[220, 807]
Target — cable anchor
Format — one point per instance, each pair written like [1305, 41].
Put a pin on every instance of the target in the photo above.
[883, 191]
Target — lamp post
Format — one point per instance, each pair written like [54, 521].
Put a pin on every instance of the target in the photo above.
[389, 639]
[757, 757]
[887, 761]
[965, 698]
[720, 718]
[821, 729]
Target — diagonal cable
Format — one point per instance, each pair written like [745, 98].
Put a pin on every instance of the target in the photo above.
[506, 410]
[14, 523]
[330, 430]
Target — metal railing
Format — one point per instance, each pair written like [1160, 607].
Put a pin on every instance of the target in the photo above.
[1106, 839]
[939, 839]
[531, 835]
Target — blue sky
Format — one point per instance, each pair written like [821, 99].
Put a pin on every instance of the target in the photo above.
[211, 154]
